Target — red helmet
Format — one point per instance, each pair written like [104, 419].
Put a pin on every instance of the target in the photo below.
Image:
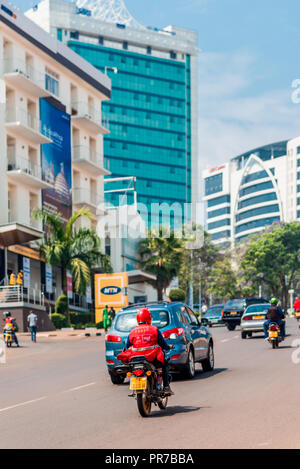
[143, 316]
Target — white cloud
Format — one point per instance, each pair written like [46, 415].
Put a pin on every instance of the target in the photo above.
[234, 119]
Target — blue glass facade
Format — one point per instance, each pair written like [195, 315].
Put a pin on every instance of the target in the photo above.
[214, 184]
[150, 122]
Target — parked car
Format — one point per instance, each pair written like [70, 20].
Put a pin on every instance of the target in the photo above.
[253, 319]
[235, 308]
[213, 316]
[179, 326]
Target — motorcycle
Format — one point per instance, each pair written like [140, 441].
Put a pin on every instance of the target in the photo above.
[297, 316]
[8, 337]
[146, 384]
[274, 335]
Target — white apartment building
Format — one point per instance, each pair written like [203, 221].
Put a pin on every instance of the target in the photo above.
[252, 191]
[50, 107]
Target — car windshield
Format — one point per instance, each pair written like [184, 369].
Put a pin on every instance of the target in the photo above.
[125, 322]
[235, 304]
[213, 311]
[258, 308]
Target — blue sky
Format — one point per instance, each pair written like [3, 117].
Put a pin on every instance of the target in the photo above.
[248, 62]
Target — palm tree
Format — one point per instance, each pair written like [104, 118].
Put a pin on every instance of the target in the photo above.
[74, 250]
[161, 256]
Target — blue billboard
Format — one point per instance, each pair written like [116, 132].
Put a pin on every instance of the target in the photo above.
[56, 158]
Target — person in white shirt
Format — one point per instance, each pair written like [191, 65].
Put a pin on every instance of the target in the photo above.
[32, 322]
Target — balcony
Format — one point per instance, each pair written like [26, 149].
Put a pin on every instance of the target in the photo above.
[89, 118]
[24, 171]
[23, 124]
[22, 75]
[88, 160]
[89, 199]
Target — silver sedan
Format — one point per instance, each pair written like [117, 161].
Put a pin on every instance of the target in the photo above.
[253, 319]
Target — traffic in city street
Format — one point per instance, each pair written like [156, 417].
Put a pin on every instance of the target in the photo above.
[57, 393]
[149, 228]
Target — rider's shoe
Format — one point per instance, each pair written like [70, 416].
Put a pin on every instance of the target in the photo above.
[168, 391]
[266, 339]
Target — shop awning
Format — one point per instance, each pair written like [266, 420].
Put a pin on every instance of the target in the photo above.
[18, 234]
[139, 276]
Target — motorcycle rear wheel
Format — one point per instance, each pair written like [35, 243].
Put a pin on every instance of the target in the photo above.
[144, 403]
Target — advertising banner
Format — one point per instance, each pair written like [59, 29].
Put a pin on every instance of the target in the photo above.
[56, 159]
[111, 290]
[49, 288]
[89, 295]
[69, 285]
[26, 272]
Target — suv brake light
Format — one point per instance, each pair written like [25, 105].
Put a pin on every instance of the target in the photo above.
[177, 331]
[113, 338]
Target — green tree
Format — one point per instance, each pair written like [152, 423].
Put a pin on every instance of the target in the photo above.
[223, 280]
[198, 264]
[161, 255]
[273, 259]
[74, 250]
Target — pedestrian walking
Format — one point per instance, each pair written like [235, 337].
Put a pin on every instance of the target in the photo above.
[32, 321]
[106, 321]
[112, 314]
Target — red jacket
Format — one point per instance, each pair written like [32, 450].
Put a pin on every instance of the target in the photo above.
[297, 305]
[144, 342]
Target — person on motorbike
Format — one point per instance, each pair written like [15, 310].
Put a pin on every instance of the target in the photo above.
[297, 304]
[148, 341]
[11, 323]
[274, 315]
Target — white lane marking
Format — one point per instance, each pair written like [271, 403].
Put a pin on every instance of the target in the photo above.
[225, 340]
[80, 387]
[23, 403]
[236, 337]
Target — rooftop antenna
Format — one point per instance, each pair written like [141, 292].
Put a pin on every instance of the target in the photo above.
[110, 11]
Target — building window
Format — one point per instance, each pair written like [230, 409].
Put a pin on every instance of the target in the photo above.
[254, 176]
[149, 50]
[257, 211]
[218, 224]
[219, 200]
[214, 184]
[256, 188]
[257, 200]
[101, 40]
[173, 55]
[74, 34]
[221, 234]
[125, 45]
[219, 212]
[59, 34]
[52, 82]
[256, 224]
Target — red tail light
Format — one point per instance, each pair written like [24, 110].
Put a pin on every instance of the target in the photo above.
[177, 331]
[138, 372]
[222, 313]
[175, 357]
[110, 362]
[113, 338]
[247, 318]
[273, 327]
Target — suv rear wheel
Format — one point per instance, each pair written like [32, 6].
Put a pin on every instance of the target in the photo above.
[190, 365]
[231, 327]
[117, 379]
[209, 363]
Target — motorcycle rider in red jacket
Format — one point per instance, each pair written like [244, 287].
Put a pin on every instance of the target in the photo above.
[148, 341]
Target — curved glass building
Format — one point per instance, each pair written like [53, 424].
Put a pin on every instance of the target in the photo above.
[253, 191]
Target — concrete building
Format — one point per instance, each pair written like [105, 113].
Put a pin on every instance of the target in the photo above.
[51, 146]
[252, 191]
[153, 109]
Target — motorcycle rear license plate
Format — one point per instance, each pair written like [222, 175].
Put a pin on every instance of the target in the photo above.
[259, 317]
[273, 335]
[138, 384]
[297, 315]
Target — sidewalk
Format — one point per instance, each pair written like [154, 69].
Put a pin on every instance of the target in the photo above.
[59, 334]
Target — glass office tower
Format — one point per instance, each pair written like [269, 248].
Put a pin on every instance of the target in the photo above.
[152, 113]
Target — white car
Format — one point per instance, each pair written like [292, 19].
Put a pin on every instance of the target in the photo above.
[253, 319]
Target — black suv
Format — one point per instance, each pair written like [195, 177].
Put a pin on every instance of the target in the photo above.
[235, 308]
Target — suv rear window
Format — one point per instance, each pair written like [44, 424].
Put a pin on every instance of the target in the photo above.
[236, 304]
[125, 322]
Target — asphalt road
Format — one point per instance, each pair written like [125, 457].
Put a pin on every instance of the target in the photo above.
[57, 394]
